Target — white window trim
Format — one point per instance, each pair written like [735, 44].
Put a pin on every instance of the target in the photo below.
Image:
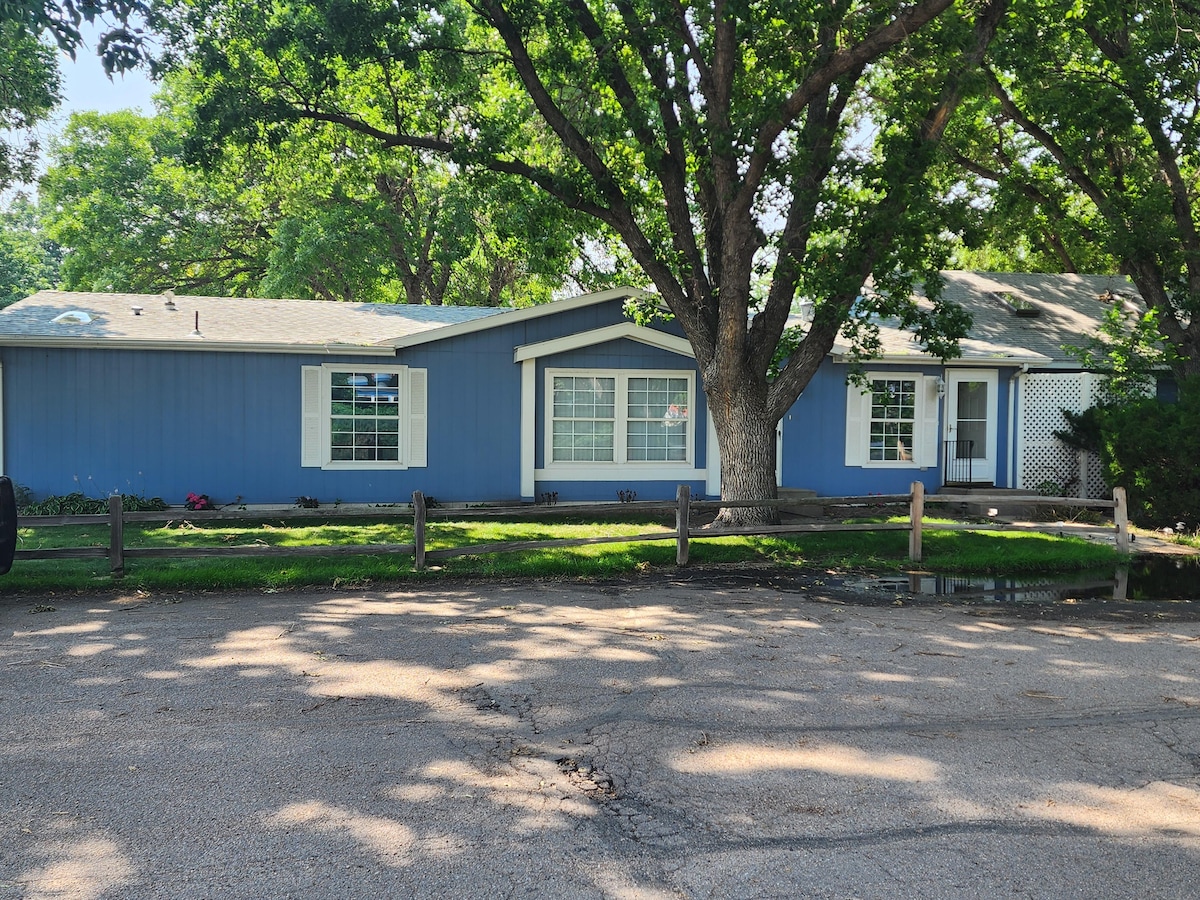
[619, 468]
[925, 423]
[316, 438]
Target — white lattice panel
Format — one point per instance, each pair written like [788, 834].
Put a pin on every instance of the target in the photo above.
[1093, 473]
[1044, 463]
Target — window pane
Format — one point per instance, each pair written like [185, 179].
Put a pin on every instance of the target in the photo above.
[976, 432]
[972, 400]
[583, 410]
[363, 406]
[893, 414]
[657, 414]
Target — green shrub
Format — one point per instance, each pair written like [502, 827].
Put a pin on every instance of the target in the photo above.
[1151, 449]
[77, 504]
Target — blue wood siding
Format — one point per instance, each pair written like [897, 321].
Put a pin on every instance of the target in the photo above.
[814, 440]
[228, 424]
[164, 423]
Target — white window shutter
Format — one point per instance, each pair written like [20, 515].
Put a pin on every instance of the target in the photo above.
[312, 431]
[927, 446]
[418, 417]
[856, 414]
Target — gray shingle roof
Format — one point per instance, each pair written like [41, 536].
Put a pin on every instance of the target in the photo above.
[224, 322]
[1069, 311]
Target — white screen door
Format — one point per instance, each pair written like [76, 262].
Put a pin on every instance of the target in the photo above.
[971, 426]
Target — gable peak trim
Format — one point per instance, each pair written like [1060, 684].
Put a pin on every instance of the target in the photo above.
[619, 331]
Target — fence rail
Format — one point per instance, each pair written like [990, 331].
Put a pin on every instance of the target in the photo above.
[683, 508]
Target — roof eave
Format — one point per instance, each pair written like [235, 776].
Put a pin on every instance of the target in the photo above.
[193, 344]
[924, 359]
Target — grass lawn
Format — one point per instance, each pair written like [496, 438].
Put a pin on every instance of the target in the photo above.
[1000, 553]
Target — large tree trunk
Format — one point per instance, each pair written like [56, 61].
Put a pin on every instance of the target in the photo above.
[746, 435]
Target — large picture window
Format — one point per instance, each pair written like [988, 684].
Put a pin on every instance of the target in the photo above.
[363, 416]
[615, 418]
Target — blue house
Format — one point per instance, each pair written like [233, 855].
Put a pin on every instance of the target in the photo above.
[269, 400]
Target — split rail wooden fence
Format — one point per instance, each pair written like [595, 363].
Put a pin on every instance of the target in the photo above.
[684, 509]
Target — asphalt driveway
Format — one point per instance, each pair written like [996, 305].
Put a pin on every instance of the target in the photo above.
[559, 740]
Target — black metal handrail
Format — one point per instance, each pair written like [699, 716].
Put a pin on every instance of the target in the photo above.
[960, 455]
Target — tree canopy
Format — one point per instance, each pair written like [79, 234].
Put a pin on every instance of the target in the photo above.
[29, 259]
[320, 214]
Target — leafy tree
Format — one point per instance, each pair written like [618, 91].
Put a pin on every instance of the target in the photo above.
[28, 92]
[320, 215]
[29, 261]
[1127, 351]
[1088, 132]
[29, 77]
[121, 44]
[135, 218]
[720, 141]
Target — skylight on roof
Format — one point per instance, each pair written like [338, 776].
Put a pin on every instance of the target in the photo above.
[72, 317]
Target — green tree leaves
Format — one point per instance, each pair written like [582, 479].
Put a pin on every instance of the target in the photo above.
[1089, 129]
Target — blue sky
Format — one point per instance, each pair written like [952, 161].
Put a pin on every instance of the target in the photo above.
[86, 87]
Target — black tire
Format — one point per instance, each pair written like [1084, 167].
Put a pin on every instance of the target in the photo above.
[8, 524]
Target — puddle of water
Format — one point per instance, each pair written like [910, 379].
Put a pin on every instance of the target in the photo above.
[1154, 579]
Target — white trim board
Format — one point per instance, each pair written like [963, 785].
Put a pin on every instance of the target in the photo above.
[619, 331]
[508, 317]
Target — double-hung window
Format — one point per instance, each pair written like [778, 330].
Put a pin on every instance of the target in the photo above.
[603, 420]
[892, 421]
[585, 417]
[363, 416]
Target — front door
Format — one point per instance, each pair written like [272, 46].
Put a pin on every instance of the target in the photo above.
[970, 448]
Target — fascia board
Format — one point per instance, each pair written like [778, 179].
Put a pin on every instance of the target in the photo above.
[924, 359]
[512, 317]
[195, 344]
[619, 331]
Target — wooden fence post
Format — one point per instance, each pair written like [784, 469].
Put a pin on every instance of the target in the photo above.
[116, 535]
[1121, 519]
[418, 502]
[916, 511]
[683, 498]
